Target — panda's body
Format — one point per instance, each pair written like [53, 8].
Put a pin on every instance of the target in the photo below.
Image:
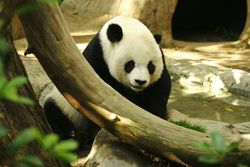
[125, 55]
[66, 121]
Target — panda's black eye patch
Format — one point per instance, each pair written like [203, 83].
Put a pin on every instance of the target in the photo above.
[151, 67]
[129, 66]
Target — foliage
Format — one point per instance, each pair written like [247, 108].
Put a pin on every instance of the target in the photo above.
[8, 90]
[216, 150]
[33, 5]
[50, 144]
[189, 125]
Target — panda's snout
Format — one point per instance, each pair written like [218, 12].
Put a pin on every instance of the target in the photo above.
[140, 82]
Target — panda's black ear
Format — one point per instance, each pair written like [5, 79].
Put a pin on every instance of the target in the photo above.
[157, 38]
[114, 33]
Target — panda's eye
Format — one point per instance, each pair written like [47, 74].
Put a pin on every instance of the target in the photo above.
[129, 66]
[151, 67]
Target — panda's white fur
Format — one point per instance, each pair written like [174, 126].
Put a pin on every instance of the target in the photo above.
[74, 116]
[66, 121]
[137, 44]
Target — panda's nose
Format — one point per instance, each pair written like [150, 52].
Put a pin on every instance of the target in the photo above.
[140, 82]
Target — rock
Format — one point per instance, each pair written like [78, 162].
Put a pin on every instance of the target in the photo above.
[107, 150]
[237, 82]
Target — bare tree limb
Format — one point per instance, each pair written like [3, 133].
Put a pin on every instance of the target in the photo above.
[55, 49]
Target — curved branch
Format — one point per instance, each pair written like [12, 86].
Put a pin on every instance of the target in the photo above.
[56, 51]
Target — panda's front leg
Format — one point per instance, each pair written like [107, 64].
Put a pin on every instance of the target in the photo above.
[158, 107]
[59, 123]
[153, 103]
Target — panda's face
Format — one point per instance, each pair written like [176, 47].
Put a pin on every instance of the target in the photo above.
[135, 64]
[132, 55]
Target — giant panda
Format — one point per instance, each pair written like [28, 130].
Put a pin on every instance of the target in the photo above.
[125, 54]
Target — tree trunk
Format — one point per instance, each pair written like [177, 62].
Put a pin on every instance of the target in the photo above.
[18, 117]
[157, 15]
[56, 51]
[245, 35]
[17, 29]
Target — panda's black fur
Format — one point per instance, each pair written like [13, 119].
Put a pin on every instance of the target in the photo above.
[153, 98]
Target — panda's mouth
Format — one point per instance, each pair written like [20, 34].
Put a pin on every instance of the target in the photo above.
[136, 88]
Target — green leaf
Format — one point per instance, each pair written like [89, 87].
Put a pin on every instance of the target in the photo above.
[3, 131]
[204, 147]
[31, 160]
[48, 1]
[3, 80]
[9, 91]
[15, 82]
[21, 164]
[23, 138]
[50, 140]
[26, 8]
[66, 145]
[219, 143]
[32, 5]
[233, 146]
[209, 159]
[24, 100]
[241, 165]
[67, 157]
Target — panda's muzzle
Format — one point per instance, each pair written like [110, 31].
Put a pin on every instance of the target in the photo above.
[138, 85]
[136, 88]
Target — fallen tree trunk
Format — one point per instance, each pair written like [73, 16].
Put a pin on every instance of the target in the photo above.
[56, 51]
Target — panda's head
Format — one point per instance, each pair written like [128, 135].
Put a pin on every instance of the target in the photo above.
[131, 53]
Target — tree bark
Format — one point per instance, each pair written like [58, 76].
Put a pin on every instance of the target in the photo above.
[17, 29]
[244, 40]
[56, 51]
[157, 15]
[14, 116]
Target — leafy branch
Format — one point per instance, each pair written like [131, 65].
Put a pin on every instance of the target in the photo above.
[52, 147]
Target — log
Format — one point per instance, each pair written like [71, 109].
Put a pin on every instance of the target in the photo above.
[55, 49]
